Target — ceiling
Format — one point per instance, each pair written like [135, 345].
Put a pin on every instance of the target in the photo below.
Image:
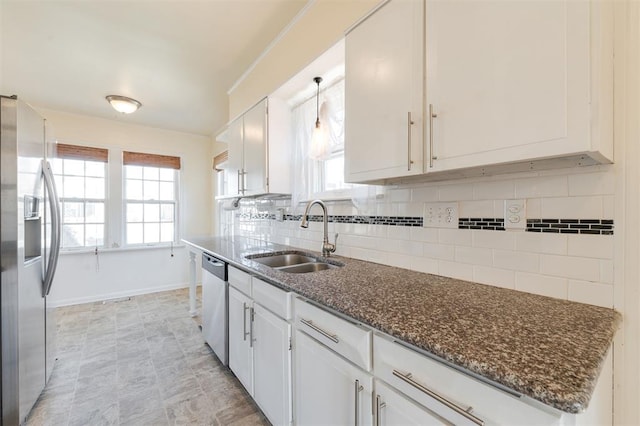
[177, 57]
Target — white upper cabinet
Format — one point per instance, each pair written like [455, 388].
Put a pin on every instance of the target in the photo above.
[510, 85]
[513, 81]
[384, 94]
[259, 149]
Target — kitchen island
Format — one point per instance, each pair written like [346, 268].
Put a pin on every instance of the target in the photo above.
[547, 349]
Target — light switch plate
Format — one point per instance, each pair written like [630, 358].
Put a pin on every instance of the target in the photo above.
[440, 215]
[515, 214]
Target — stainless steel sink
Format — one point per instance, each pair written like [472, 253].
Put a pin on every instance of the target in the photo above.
[284, 260]
[308, 267]
[294, 262]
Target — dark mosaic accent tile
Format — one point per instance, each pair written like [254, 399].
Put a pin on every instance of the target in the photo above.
[572, 226]
[485, 223]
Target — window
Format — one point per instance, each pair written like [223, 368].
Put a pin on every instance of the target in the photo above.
[80, 174]
[151, 198]
[326, 175]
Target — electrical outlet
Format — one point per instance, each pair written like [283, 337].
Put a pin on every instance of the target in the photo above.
[515, 214]
[440, 215]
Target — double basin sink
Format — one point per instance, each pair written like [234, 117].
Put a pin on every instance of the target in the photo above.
[294, 262]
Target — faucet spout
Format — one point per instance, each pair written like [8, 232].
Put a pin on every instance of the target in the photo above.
[327, 247]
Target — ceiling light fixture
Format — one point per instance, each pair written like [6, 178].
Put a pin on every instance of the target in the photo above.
[123, 104]
[319, 148]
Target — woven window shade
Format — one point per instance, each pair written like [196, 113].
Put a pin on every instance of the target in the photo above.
[75, 152]
[219, 159]
[150, 160]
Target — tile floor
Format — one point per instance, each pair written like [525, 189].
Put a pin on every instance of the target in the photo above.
[140, 361]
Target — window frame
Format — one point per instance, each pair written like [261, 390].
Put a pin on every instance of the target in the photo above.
[84, 154]
[160, 162]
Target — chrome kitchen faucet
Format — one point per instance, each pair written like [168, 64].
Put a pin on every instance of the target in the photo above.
[327, 247]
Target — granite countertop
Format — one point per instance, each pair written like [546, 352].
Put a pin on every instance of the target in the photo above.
[548, 349]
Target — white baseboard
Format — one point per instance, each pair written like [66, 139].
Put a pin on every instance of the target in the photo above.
[115, 295]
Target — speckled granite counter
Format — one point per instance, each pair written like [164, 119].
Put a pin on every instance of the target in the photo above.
[548, 349]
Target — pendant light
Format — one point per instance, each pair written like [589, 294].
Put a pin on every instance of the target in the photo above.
[123, 104]
[319, 148]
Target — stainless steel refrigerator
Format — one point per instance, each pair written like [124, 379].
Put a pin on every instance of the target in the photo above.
[30, 243]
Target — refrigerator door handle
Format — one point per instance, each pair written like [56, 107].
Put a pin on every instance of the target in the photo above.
[56, 226]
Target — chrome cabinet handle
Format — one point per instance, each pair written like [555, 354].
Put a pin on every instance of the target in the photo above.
[379, 406]
[410, 122]
[432, 115]
[239, 187]
[56, 227]
[314, 327]
[244, 321]
[358, 388]
[252, 317]
[442, 400]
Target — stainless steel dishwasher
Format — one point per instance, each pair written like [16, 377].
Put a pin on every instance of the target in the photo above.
[215, 306]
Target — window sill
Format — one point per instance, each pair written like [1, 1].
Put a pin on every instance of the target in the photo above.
[86, 250]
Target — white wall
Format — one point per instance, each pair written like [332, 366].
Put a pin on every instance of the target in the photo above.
[116, 272]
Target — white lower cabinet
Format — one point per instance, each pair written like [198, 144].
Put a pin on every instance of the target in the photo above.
[240, 351]
[328, 389]
[260, 343]
[272, 365]
[394, 409]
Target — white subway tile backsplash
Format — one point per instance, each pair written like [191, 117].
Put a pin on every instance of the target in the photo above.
[571, 207]
[534, 208]
[541, 243]
[459, 237]
[492, 190]
[425, 194]
[399, 232]
[548, 186]
[413, 248]
[493, 239]
[570, 267]
[592, 293]
[518, 261]
[482, 208]
[399, 195]
[421, 264]
[439, 251]
[473, 255]
[455, 270]
[459, 192]
[608, 206]
[494, 276]
[410, 209]
[424, 234]
[596, 246]
[592, 184]
[606, 271]
[542, 284]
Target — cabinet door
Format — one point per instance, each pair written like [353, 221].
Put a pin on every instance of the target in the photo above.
[328, 389]
[384, 94]
[395, 409]
[234, 167]
[272, 366]
[255, 149]
[507, 80]
[240, 333]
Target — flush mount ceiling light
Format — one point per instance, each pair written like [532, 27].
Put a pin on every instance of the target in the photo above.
[319, 148]
[123, 104]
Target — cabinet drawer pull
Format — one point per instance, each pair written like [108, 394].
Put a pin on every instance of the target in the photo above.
[252, 317]
[358, 388]
[432, 115]
[314, 327]
[465, 413]
[409, 123]
[244, 321]
[379, 406]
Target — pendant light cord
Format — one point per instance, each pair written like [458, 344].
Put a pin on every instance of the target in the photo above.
[318, 80]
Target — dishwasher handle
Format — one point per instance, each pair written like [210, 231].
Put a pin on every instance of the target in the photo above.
[215, 266]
